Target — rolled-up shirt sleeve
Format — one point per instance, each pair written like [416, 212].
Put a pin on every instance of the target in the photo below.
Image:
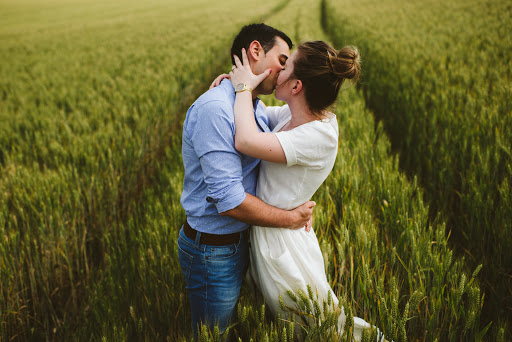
[213, 140]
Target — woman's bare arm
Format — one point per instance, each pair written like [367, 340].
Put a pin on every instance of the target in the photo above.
[248, 139]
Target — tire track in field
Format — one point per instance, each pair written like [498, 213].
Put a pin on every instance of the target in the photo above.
[450, 309]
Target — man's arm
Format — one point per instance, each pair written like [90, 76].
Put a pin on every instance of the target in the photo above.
[256, 212]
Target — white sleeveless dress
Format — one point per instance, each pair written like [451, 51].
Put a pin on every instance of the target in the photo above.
[284, 259]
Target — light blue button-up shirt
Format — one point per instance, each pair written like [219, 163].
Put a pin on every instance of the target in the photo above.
[217, 176]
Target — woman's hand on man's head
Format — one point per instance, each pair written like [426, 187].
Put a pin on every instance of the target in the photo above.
[242, 73]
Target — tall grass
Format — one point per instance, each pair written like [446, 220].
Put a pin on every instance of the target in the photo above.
[437, 74]
[90, 208]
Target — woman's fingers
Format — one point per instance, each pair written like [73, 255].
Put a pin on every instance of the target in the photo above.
[244, 62]
[237, 62]
[244, 57]
[242, 73]
[219, 79]
[263, 75]
[308, 225]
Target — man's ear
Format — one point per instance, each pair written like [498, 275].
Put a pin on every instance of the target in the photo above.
[255, 51]
[297, 87]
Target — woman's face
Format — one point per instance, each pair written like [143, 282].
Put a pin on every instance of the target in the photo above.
[283, 87]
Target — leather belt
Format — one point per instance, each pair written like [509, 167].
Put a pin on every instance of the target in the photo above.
[212, 239]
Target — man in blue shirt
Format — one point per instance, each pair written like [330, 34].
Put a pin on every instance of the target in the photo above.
[220, 184]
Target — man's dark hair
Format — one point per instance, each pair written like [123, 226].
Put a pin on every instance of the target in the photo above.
[264, 34]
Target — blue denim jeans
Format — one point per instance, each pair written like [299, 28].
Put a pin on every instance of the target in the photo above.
[213, 275]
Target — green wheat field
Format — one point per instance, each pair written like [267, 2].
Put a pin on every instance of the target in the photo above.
[415, 220]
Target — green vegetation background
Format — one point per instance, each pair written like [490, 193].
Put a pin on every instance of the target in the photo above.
[92, 95]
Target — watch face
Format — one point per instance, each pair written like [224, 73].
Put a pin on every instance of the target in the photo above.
[239, 86]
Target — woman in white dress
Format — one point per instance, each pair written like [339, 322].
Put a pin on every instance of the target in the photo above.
[296, 159]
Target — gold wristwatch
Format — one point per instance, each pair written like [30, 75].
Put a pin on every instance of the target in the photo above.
[242, 87]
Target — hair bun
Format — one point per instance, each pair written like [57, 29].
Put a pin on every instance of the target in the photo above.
[323, 70]
[346, 63]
